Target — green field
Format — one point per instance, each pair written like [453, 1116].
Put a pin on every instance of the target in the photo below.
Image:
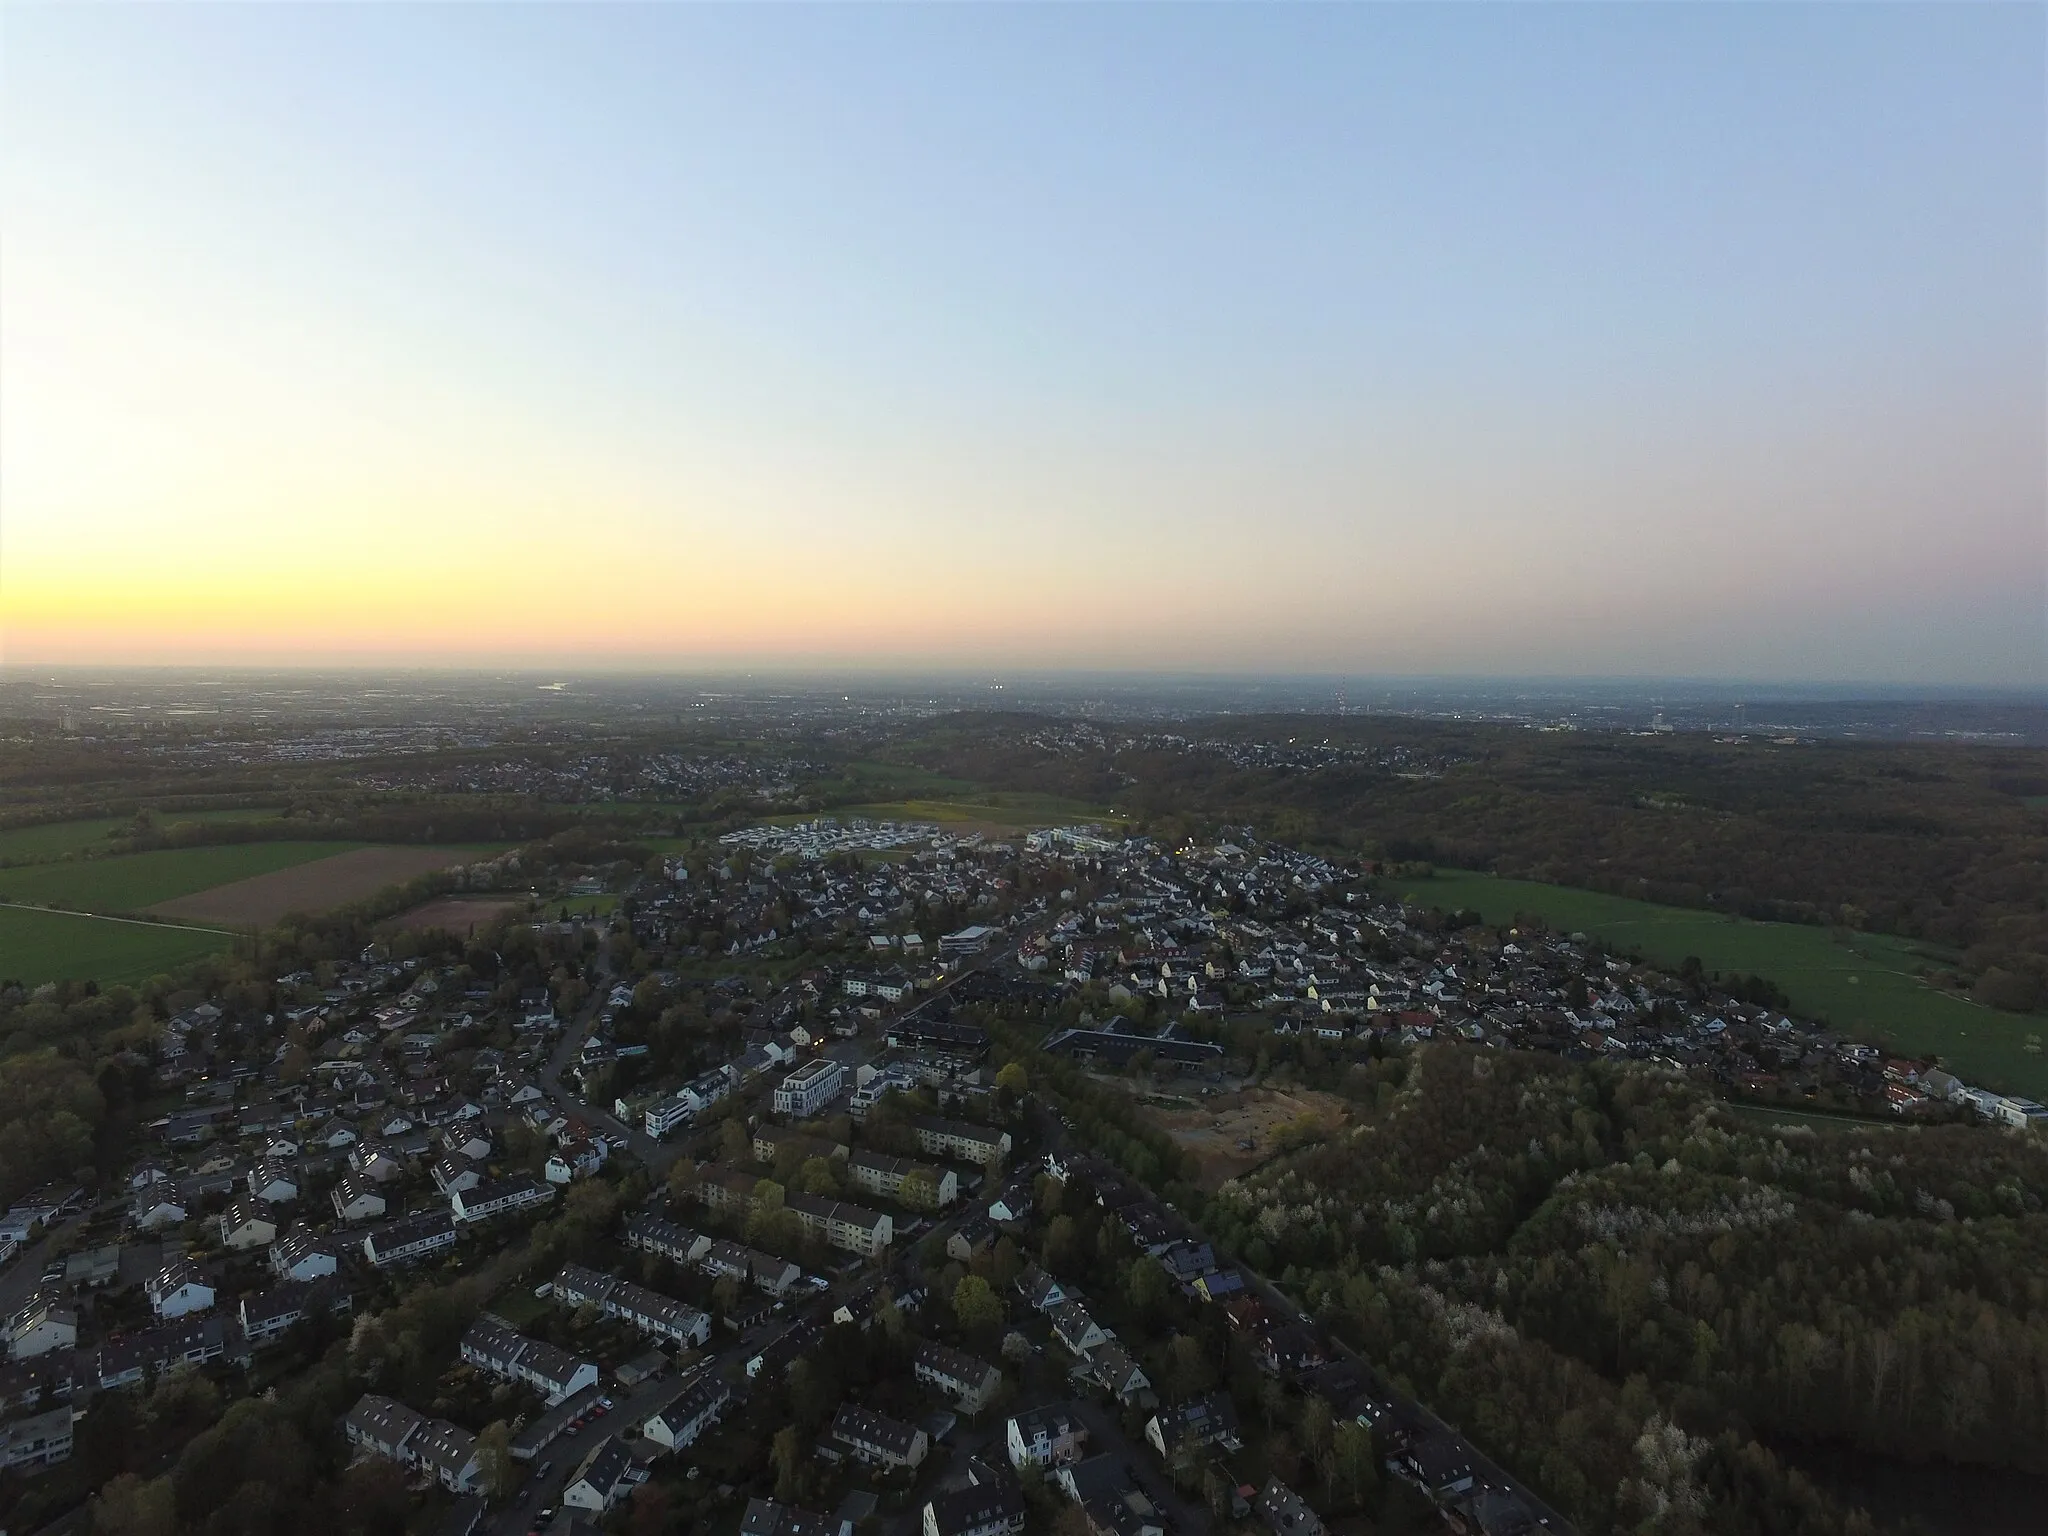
[134, 881]
[1022, 811]
[36, 947]
[60, 839]
[1868, 987]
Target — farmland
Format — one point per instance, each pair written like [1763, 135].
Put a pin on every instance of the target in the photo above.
[136, 882]
[38, 946]
[1869, 986]
[318, 885]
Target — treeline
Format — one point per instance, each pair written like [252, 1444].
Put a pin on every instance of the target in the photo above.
[1565, 1259]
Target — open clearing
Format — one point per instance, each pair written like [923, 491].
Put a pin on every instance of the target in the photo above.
[460, 914]
[1232, 1133]
[137, 882]
[1868, 987]
[38, 946]
[316, 886]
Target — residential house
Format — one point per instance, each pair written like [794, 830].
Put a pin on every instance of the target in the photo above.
[694, 1409]
[410, 1239]
[750, 1265]
[606, 1476]
[991, 1504]
[1194, 1425]
[842, 1225]
[1286, 1512]
[273, 1314]
[972, 1384]
[154, 1209]
[880, 1174]
[300, 1255]
[1112, 1368]
[248, 1224]
[959, 1139]
[41, 1326]
[356, 1198]
[179, 1288]
[765, 1517]
[875, 1439]
[273, 1182]
[42, 1440]
[1052, 1436]
[499, 1197]
[651, 1234]
[494, 1345]
[1039, 1290]
[1076, 1328]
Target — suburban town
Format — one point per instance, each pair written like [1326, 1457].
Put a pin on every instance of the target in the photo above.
[748, 1186]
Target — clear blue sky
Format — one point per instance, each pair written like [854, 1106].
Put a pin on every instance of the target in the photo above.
[1575, 339]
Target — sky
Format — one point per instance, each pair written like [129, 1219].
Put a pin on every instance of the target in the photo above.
[1631, 340]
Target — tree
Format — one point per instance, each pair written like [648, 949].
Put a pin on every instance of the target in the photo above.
[976, 1304]
[787, 1457]
[494, 1456]
[920, 1190]
[1062, 1247]
[652, 1510]
[1357, 1468]
[682, 1178]
[1005, 1264]
[818, 1176]
[734, 1144]
[1014, 1079]
[1188, 1371]
[130, 1506]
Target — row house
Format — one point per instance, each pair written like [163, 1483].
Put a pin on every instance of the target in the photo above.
[499, 1197]
[652, 1234]
[276, 1312]
[697, 1407]
[634, 1305]
[494, 1345]
[385, 1427]
[971, 1384]
[875, 1439]
[410, 1239]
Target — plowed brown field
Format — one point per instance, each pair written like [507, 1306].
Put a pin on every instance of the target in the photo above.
[316, 887]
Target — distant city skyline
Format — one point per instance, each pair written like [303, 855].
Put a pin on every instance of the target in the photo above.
[1674, 341]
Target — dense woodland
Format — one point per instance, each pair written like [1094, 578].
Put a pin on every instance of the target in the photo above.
[1567, 1259]
[1943, 843]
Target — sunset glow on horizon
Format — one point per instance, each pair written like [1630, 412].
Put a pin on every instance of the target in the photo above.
[1543, 340]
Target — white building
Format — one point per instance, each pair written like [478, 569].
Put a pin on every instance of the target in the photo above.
[806, 1091]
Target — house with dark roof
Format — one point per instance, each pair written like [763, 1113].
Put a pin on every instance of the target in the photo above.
[874, 1438]
[1194, 1425]
[971, 1383]
[765, 1517]
[990, 1504]
[1052, 1436]
[694, 1409]
[409, 1239]
[607, 1475]
[1285, 1512]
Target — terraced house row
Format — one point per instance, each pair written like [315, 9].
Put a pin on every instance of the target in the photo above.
[634, 1305]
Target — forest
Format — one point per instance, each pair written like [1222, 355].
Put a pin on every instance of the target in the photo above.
[1596, 1271]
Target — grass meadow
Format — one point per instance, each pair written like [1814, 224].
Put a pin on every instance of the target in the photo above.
[1868, 986]
[37, 946]
[135, 881]
[61, 839]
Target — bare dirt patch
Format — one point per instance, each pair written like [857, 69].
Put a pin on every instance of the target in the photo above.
[318, 886]
[1232, 1133]
[460, 914]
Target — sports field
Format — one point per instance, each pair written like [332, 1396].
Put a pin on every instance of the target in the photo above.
[37, 946]
[1868, 987]
[134, 882]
